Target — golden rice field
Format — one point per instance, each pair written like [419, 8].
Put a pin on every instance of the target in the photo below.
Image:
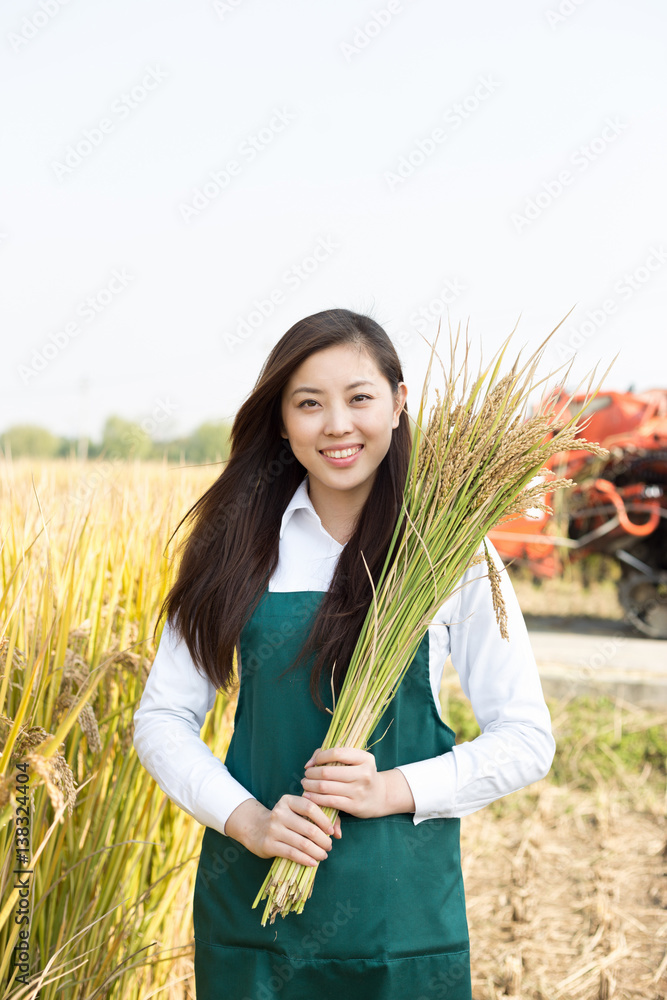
[565, 880]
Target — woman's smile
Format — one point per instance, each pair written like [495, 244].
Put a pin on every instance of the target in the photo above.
[342, 457]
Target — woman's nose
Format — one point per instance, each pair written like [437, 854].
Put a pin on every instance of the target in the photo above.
[337, 420]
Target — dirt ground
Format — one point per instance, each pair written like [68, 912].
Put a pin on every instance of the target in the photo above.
[567, 897]
[568, 597]
[566, 887]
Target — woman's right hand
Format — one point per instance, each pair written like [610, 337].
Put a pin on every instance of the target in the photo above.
[295, 828]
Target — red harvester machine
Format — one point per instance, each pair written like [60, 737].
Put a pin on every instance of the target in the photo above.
[618, 507]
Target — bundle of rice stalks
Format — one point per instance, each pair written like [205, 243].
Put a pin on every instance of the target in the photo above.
[479, 461]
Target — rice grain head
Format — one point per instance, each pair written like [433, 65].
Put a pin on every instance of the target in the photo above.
[496, 594]
[86, 719]
[57, 775]
[88, 723]
[5, 790]
[28, 738]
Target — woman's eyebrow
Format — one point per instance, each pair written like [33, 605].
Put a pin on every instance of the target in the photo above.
[352, 385]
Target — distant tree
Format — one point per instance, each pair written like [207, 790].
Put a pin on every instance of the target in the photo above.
[122, 439]
[208, 443]
[174, 451]
[81, 447]
[125, 439]
[28, 439]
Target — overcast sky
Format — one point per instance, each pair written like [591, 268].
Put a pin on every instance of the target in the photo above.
[184, 181]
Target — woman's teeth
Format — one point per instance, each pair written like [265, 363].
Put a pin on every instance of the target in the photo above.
[344, 453]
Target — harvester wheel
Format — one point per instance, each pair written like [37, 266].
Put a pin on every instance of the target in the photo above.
[645, 604]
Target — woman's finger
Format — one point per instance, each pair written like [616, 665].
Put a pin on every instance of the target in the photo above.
[340, 802]
[332, 772]
[344, 755]
[302, 827]
[303, 807]
[303, 842]
[282, 849]
[330, 787]
[352, 780]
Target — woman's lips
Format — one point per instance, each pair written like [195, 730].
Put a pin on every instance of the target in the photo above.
[343, 462]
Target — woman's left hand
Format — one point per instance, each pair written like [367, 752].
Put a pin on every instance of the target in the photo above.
[348, 780]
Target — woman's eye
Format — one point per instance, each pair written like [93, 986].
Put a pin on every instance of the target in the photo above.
[302, 404]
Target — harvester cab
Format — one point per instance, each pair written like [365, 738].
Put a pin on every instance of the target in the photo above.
[618, 507]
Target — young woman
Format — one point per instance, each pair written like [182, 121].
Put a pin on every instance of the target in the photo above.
[272, 568]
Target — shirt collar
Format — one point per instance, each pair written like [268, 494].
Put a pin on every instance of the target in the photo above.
[301, 501]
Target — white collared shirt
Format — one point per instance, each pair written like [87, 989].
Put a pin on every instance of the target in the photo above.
[500, 677]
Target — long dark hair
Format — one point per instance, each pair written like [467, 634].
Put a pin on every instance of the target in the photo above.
[232, 550]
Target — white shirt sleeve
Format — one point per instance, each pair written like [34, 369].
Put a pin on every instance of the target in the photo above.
[167, 727]
[500, 677]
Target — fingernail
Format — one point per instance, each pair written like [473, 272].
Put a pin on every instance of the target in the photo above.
[308, 764]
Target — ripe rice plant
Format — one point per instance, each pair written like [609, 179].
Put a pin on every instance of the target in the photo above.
[83, 573]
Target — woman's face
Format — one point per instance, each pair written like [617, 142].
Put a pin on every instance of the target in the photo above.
[337, 400]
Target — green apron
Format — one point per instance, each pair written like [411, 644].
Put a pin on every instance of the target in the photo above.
[386, 919]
